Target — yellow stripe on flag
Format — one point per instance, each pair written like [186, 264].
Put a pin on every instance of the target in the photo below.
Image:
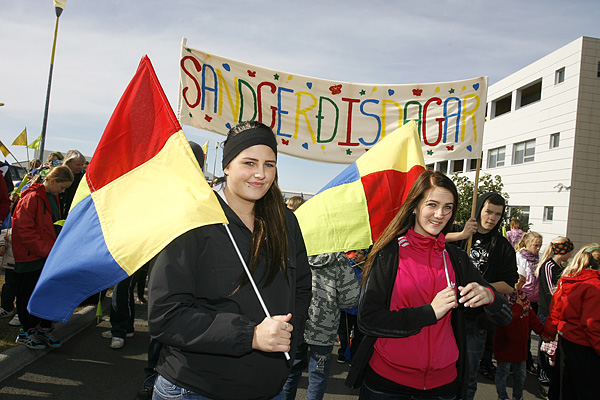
[343, 210]
[379, 158]
[83, 190]
[127, 206]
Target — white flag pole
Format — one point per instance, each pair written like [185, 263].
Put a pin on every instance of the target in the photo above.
[260, 299]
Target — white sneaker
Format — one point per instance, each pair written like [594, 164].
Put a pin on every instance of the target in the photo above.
[6, 314]
[15, 321]
[108, 334]
[117, 343]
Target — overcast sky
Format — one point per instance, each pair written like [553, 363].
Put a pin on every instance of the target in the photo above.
[100, 44]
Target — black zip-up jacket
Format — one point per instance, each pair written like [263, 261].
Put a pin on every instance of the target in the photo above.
[410, 321]
[206, 330]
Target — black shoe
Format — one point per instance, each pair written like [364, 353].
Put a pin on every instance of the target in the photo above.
[341, 359]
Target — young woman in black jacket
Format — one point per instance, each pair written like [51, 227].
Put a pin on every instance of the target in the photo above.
[416, 289]
[218, 344]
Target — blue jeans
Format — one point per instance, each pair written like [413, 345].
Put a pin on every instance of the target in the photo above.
[475, 347]
[164, 390]
[502, 372]
[318, 371]
[366, 393]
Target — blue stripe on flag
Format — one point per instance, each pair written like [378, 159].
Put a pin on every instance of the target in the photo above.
[78, 266]
[350, 174]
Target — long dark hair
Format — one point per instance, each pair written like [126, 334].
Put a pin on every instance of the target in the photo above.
[405, 219]
[269, 238]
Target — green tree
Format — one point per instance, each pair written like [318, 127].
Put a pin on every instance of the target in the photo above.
[487, 183]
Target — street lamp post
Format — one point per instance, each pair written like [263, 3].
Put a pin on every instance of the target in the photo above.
[59, 5]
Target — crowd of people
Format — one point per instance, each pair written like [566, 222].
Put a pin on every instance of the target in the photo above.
[418, 315]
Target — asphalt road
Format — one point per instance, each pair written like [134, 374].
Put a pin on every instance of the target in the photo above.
[85, 367]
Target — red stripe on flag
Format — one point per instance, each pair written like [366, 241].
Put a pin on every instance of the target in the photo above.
[140, 126]
[385, 192]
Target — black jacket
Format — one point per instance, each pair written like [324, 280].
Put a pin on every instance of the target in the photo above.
[206, 330]
[410, 321]
[502, 261]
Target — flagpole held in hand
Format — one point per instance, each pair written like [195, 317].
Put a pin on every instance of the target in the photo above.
[474, 204]
[260, 299]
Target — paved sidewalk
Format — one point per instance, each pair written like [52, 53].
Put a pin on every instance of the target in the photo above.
[18, 357]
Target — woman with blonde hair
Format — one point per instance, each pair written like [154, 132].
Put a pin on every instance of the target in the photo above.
[528, 251]
[33, 236]
[548, 271]
[575, 318]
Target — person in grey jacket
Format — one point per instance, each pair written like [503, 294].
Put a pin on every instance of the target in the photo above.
[334, 286]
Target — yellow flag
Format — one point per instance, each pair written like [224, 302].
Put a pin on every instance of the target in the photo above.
[35, 144]
[4, 150]
[21, 140]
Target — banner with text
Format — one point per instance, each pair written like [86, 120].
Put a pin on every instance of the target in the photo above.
[330, 121]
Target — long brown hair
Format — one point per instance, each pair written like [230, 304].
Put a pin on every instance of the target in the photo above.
[60, 174]
[405, 219]
[269, 238]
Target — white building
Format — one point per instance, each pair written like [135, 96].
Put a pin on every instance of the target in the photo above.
[542, 136]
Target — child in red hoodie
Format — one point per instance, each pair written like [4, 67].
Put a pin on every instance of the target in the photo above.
[575, 318]
[510, 344]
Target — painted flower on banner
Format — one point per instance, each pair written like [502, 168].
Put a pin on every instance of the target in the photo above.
[336, 89]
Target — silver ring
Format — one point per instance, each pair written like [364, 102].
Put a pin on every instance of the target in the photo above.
[287, 325]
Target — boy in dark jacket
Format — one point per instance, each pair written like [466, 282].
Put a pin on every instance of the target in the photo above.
[495, 259]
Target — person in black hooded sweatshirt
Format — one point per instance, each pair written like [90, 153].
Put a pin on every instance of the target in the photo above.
[495, 258]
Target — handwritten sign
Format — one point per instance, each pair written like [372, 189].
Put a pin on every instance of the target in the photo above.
[330, 121]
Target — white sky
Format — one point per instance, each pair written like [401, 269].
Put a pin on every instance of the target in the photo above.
[100, 44]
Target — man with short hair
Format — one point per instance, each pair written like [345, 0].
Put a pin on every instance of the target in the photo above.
[494, 257]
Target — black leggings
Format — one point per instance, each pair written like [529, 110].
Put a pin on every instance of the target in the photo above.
[579, 371]
[26, 282]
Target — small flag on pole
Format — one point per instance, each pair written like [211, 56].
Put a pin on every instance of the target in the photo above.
[4, 150]
[21, 140]
[35, 144]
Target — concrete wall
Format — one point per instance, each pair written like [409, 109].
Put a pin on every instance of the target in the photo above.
[584, 212]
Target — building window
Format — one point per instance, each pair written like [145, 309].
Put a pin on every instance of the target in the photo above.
[530, 93]
[472, 164]
[501, 106]
[442, 166]
[598, 75]
[496, 157]
[457, 166]
[554, 140]
[430, 167]
[524, 152]
[559, 76]
[548, 213]
[520, 212]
